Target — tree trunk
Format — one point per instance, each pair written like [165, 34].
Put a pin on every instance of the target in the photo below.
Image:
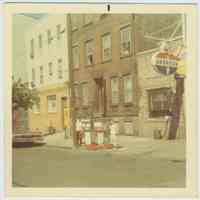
[176, 108]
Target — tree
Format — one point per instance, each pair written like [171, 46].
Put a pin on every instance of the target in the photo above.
[23, 96]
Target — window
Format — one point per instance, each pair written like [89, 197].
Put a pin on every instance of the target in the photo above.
[60, 69]
[159, 102]
[89, 52]
[115, 90]
[58, 28]
[36, 107]
[50, 65]
[88, 18]
[51, 102]
[33, 75]
[32, 48]
[49, 37]
[75, 57]
[74, 21]
[41, 75]
[128, 88]
[40, 41]
[125, 39]
[84, 94]
[106, 47]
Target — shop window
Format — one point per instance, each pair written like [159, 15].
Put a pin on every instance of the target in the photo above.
[89, 52]
[114, 90]
[106, 47]
[75, 57]
[128, 88]
[159, 102]
[51, 103]
[125, 39]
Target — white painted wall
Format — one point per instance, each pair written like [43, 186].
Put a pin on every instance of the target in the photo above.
[48, 53]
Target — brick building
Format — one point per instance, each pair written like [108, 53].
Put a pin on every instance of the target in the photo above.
[156, 94]
[104, 68]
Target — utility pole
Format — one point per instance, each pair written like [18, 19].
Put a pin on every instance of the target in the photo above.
[71, 81]
[178, 96]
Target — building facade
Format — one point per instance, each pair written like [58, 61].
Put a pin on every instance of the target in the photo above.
[105, 70]
[48, 72]
[156, 96]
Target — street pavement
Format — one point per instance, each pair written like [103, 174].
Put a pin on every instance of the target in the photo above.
[142, 162]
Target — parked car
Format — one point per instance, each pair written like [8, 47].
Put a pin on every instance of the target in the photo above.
[28, 138]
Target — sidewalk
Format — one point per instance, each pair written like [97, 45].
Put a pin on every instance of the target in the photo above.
[58, 140]
[133, 146]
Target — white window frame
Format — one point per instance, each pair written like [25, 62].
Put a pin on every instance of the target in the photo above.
[127, 98]
[89, 52]
[52, 104]
[106, 46]
[125, 41]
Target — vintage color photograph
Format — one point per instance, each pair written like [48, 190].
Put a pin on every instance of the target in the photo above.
[98, 100]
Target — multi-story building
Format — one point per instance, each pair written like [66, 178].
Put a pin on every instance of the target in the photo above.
[104, 68]
[156, 96]
[46, 44]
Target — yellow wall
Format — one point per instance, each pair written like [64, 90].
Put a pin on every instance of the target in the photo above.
[43, 119]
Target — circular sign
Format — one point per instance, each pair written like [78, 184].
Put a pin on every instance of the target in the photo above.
[164, 62]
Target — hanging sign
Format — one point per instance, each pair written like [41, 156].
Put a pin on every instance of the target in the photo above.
[165, 62]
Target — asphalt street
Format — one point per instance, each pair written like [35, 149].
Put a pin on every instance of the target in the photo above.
[58, 167]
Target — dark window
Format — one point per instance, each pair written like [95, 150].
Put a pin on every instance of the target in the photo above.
[159, 102]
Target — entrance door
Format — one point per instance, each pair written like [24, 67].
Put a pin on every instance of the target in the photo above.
[65, 112]
[100, 96]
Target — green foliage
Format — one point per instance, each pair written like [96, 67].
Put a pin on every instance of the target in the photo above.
[23, 96]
